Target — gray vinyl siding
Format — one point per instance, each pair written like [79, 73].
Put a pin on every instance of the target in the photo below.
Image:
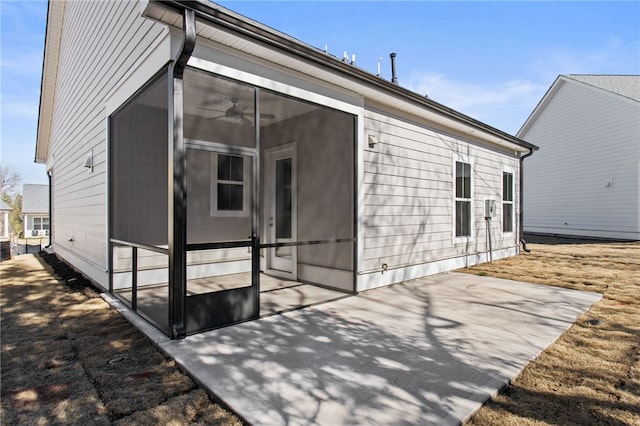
[101, 41]
[408, 194]
[587, 138]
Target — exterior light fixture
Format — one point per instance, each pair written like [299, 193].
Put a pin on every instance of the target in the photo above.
[372, 141]
[88, 162]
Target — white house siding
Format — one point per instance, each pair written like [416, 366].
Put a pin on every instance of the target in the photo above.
[587, 139]
[406, 180]
[4, 224]
[408, 201]
[101, 43]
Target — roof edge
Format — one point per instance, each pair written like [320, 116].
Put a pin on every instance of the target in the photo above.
[560, 79]
[225, 18]
[543, 101]
[604, 90]
[53, 35]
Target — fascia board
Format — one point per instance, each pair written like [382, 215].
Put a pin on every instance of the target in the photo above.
[53, 36]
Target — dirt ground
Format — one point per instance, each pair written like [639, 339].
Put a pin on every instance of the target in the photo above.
[69, 358]
[591, 374]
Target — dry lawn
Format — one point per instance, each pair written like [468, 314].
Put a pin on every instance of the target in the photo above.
[591, 374]
[69, 358]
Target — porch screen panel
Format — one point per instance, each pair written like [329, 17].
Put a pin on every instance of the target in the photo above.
[219, 128]
[322, 195]
[138, 200]
[218, 211]
[220, 134]
[139, 167]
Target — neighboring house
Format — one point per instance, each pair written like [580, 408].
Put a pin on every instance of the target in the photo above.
[195, 153]
[35, 210]
[5, 209]
[586, 179]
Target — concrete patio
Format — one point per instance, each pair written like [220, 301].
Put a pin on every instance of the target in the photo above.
[428, 351]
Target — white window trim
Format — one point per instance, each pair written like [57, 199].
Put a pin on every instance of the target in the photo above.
[246, 184]
[470, 238]
[512, 202]
[41, 219]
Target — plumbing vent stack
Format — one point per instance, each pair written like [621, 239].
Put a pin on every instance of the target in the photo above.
[394, 79]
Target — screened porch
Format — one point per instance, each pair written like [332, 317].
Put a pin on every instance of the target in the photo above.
[236, 205]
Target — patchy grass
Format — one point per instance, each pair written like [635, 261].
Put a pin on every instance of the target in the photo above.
[591, 374]
[69, 358]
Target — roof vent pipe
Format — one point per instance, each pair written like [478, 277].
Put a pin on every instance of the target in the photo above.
[394, 79]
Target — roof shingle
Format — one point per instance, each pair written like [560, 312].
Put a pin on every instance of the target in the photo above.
[623, 85]
[35, 198]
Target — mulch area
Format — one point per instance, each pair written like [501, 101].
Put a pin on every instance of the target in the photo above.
[69, 358]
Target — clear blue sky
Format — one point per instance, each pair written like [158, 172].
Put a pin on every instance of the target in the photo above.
[491, 60]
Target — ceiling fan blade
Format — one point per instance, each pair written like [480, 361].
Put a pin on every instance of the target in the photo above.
[211, 109]
[245, 120]
[262, 115]
[215, 102]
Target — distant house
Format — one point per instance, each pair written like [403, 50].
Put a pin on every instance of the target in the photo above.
[35, 210]
[196, 154]
[5, 209]
[586, 179]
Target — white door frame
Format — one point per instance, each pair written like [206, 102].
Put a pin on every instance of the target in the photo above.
[271, 155]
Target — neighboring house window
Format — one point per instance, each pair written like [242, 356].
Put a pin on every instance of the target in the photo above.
[463, 199]
[40, 225]
[229, 185]
[507, 202]
[2, 224]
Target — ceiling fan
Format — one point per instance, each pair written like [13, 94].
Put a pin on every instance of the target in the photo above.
[237, 111]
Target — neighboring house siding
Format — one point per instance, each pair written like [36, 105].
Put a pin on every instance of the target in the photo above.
[35, 210]
[408, 194]
[101, 42]
[585, 178]
[5, 209]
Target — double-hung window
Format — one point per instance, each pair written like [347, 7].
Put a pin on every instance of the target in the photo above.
[229, 185]
[41, 223]
[507, 202]
[40, 226]
[463, 199]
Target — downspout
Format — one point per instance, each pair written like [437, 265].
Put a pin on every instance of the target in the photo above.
[522, 241]
[177, 183]
[50, 214]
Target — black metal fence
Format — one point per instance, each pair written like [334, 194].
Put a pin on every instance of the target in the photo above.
[5, 250]
[22, 246]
